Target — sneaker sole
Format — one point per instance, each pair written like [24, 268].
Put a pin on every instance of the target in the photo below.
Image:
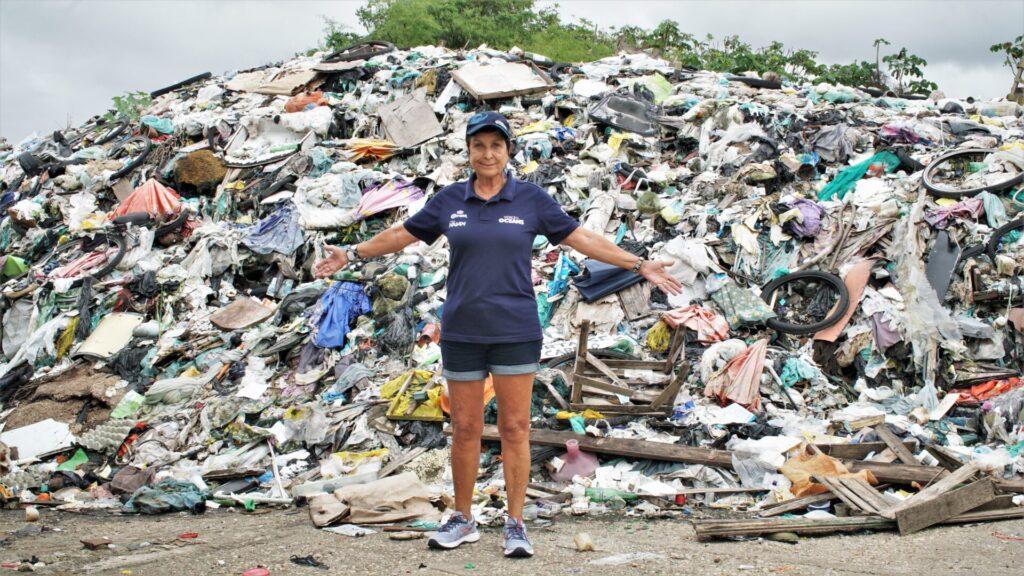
[467, 539]
[518, 552]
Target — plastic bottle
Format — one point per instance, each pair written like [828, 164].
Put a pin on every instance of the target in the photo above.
[608, 494]
[576, 462]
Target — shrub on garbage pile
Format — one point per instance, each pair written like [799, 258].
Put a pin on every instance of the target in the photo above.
[905, 69]
[1013, 52]
[129, 106]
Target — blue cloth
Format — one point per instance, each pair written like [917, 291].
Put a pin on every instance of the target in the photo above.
[341, 304]
[280, 232]
[490, 288]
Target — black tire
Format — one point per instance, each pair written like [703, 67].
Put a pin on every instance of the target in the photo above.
[756, 82]
[30, 165]
[182, 84]
[360, 51]
[174, 225]
[800, 329]
[993, 242]
[107, 132]
[100, 272]
[942, 191]
[147, 147]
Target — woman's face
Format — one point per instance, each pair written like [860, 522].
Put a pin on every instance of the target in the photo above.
[488, 154]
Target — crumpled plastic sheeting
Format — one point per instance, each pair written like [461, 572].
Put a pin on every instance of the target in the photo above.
[152, 198]
[941, 218]
[740, 380]
[166, 496]
[710, 327]
[928, 323]
[808, 224]
[279, 232]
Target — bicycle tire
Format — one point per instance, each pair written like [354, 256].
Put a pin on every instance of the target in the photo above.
[993, 242]
[801, 329]
[941, 191]
[111, 263]
[134, 162]
[174, 225]
[119, 126]
[353, 52]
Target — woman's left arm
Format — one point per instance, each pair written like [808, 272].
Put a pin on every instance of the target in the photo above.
[593, 245]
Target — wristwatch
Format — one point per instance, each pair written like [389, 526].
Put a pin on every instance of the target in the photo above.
[637, 265]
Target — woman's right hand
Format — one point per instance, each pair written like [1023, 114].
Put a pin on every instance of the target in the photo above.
[335, 260]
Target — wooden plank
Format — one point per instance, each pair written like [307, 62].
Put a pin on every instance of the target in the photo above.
[945, 506]
[581, 361]
[795, 504]
[674, 349]
[895, 444]
[852, 499]
[934, 491]
[626, 447]
[635, 364]
[858, 451]
[587, 381]
[709, 529]
[612, 409]
[945, 457]
[554, 391]
[404, 459]
[634, 302]
[868, 492]
[669, 393]
[605, 370]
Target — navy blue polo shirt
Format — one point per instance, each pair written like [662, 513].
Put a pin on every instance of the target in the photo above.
[490, 289]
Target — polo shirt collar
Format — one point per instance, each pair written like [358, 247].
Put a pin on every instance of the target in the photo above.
[507, 192]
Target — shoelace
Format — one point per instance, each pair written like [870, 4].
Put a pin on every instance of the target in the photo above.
[453, 521]
[516, 531]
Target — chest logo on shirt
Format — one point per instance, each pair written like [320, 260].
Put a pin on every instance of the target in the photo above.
[511, 220]
[459, 214]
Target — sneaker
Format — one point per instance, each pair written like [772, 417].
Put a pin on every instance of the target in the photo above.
[457, 530]
[516, 543]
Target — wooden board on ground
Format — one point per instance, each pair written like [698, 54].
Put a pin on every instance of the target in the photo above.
[945, 506]
[895, 444]
[934, 491]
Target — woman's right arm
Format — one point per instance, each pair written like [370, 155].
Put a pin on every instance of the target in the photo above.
[389, 241]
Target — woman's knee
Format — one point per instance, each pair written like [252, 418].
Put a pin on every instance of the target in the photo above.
[467, 428]
[514, 431]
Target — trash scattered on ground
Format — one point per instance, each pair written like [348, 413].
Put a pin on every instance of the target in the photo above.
[846, 346]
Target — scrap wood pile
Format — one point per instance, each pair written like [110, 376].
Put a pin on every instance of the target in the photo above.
[849, 330]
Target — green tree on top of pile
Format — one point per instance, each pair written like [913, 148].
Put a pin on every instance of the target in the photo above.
[503, 24]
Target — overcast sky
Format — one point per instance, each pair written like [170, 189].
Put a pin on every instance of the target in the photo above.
[62, 60]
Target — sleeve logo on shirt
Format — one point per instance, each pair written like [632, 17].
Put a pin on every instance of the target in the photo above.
[511, 220]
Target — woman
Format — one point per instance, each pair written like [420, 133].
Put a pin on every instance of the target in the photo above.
[490, 323]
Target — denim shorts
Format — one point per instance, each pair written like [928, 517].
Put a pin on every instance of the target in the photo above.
[473, 361]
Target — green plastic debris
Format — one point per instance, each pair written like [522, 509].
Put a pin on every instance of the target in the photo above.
[75, 461]
[849, 177]
[14, 266]
[128, 406]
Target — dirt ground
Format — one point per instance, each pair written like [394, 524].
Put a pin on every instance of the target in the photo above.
[230, 542]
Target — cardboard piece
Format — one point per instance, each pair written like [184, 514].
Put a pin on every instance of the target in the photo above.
[39, 439]
[409, 120]
[113, 334]
[502, 79]
[273, 81]
[241, 314]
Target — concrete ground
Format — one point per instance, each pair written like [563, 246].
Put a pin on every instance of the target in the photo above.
[229, 542]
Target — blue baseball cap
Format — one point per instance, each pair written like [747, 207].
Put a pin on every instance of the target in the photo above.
[484, 120]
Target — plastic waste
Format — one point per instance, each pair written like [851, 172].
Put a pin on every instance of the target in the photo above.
[575, 462]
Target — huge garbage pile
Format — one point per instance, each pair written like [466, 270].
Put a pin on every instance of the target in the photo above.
[849, 331]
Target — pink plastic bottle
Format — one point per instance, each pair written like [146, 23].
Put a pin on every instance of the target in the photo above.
[576, 462]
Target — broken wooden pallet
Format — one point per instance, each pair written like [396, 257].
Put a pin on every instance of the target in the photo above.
[857, 494]
[608, 378]
[710, 529]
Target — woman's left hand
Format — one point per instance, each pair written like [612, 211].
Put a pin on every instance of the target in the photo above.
[654, 272]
